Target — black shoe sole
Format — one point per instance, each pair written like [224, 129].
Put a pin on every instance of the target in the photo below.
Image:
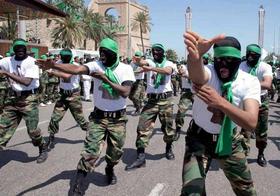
[134, 168]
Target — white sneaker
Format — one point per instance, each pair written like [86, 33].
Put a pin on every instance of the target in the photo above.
[43, 105]
[49, 103]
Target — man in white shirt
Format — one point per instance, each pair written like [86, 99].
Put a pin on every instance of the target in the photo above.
[23, 77]
[263, 71]
[137, 92]
[69, 98]
[213, 131]
[112, 84]
[160, 103]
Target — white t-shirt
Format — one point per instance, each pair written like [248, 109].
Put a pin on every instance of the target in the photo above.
[71, 84]
[136, 68]
[102, 98]
[185, 81]
[175, 69]
[165, 86]
[263, 69]
[245, 86]
[277, 73]
[25, 68]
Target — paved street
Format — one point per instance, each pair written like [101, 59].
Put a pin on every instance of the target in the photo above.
[20, 175]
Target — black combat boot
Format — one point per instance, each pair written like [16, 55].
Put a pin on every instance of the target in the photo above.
[50, 142]
[261, 159]
[168, 152]
[140, 161]
[111, 177]
[43, 153]
[178, 131]
[78, 186]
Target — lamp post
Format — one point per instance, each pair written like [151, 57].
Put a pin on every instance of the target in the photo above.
[188, 23]
[261, 26]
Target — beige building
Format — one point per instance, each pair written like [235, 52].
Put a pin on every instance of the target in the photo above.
[123, 11]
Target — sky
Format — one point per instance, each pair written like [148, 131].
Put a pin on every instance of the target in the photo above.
[238, 18]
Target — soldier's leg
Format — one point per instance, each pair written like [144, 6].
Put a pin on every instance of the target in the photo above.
[261, 133]
[236, 169]
[247, 136]
[166, 119]
[76, 109]
[132, 93]
[137, 97]
[9, 121]
[278, 90]
[115, 139]
[3, 95]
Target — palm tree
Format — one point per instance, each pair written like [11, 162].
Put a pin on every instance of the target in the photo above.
[67, 33]
[141, 21]
[8, 30]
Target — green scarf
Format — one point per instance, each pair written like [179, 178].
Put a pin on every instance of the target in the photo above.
[159, 77]
[113, 46]
[224, 144]
[254, 48]
[253, 69]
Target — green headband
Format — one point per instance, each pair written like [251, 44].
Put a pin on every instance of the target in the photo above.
[138, 53]
[19, 43]
[158, 46]
[65, 53]
[226, 51]
[110, 44]
[44, 57]
[254, 48]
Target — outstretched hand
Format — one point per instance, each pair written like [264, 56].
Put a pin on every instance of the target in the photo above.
[45, 64]
[197, 45]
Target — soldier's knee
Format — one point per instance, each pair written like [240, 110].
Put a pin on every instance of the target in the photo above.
[194, 187]
[35, 133]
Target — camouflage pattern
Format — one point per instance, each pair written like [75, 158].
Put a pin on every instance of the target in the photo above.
[52, 88]
[137, 93]
[4, 88]
[198, 156]
[16, 108]
[184, 105]
[277, 87]
[175, 84]
[43, 87]
[99, 130]
[72, 102]
[153, 108]
[261, 129]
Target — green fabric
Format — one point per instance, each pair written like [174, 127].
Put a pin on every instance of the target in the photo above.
[254, 48]
[158, 46]
[19, 43]
[66, 53]
[8, 54]
[36, 52]
[224, 144]
[113, 46]
[138, 53]
[205, 56]
[227, 51]
[44, 57]
[159, 77]
[253, 69]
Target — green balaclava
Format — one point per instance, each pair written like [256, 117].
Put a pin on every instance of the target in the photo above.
[159, 77]
[253, 56]
[109, 71]
[227, 48]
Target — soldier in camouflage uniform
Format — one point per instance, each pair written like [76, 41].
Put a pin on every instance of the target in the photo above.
[4, 88]
[137, 92]
[52, 88]
[112, 84]
[263, 72]
[23, 76]
[186, 100]
[220, 94]
[160, 103]
[69, 98]
[43, 84]
[175, 80]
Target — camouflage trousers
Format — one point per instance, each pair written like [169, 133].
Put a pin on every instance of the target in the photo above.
[101, 129]
[175, 84]
[261, 129]
[3, 97]
[16, 108]
[199, 153]
[74, 104]
[153, 108]
[43, 93]
[137, 93]
[278, 87]
[52, 93]
[184, 105]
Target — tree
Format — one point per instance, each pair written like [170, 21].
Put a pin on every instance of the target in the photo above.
[141, 22]
[171, 55]
[8, 30]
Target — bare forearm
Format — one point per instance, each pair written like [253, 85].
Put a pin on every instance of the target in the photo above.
[72, 69]
[61, 74]
[22, 80]
[166, 71]
[122, 90]
[265, 85]
[197, 72]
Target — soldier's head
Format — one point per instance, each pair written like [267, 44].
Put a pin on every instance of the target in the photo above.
[205, 59]
[227, 58]
[20, 49]
[158, 52]
[253, 54]
[109, 52]
[66, 55]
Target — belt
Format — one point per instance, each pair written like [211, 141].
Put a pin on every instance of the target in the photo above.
[25, 93]
[195, 129]
[159, 95]
[67, 92]
[186, 90]
[100, 114]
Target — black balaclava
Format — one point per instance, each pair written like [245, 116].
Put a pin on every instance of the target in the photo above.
[227, 54]
[158, 54]
[19, 47]
[253, 55]
[107, 57]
